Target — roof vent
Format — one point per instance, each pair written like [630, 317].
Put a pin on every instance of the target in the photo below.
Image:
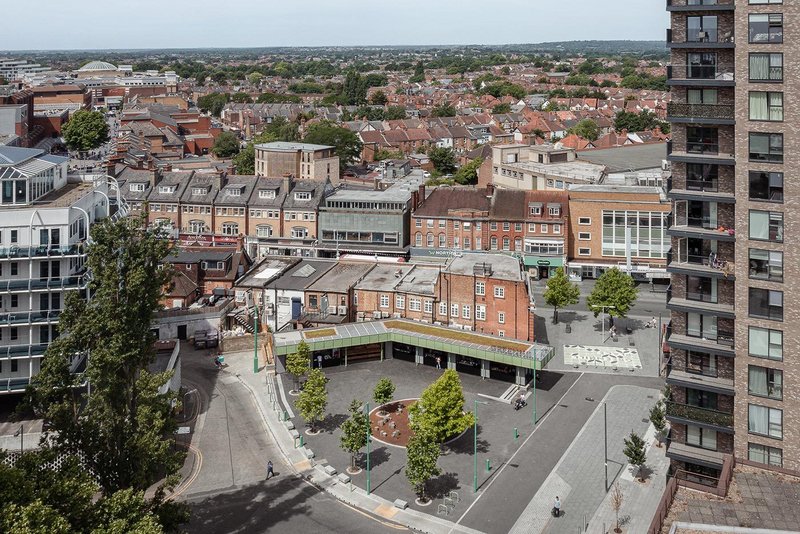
[482, 269]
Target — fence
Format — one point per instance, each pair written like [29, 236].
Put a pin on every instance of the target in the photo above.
[663, 506]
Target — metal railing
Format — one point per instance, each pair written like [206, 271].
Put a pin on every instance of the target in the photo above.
[11, 319]
[700, 111]
[720, 73]
[20, 351]
[721, 337]
[699, 414]
[698, 3]
[43, 251]
[69, 282]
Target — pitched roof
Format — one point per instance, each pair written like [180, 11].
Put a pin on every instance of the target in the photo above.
[442, 200]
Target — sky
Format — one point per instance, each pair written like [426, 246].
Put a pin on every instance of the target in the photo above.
[109, 24]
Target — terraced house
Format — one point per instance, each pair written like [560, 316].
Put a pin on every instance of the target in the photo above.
[734, 335]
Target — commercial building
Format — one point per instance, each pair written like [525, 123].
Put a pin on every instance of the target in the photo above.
[45, 218]
[303, 160]
[734, 304]
[537, 167]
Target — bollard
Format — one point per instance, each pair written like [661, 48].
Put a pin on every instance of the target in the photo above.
[301, 440]
[488, 466]
[516, 434]
[285, 415]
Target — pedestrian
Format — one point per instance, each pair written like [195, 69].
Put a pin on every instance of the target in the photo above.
[557, 507]
[319, 361]
[271, 473]
[438, 362]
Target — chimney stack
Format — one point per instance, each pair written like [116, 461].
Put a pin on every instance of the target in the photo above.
[489, 190]
[287, 182]
[414, 201]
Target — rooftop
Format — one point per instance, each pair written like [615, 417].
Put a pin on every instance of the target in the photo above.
[341, 278]
[627, 158]
[581, 170]
[97, 65]
[283, 146]
[384, 277]
[266, 271]
[301, 275]
[196, 256]
[63, 197]
[504, 267]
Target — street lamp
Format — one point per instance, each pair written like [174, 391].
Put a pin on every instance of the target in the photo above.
[21, 433]
[369, 440]
[475, 449]
[255, 337]
[603, 320]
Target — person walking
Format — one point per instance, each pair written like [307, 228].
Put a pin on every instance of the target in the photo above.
[557, 507]
[438, 362]
[271, 472]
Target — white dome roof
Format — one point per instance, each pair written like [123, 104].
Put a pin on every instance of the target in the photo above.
[97, 65]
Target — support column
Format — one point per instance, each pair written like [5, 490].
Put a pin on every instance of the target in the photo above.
[344, 355]
[451, 360]
[388, 351]
[418, 359]
[485, 369]
[520, 376]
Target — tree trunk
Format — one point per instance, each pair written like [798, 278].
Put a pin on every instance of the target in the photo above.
[555, 315]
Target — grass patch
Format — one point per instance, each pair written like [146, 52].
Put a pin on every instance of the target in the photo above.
[325, 332]
[456, 335]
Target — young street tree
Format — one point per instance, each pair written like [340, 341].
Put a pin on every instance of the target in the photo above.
[636, 452]
[560, 292]
[85, 130]
[439, 413]
[123, 430]
[383, 392]
[422, 454]
[298, 363]
[617, 498]
[355, 431]
[659, 420]
[615, 291]
[313, 399]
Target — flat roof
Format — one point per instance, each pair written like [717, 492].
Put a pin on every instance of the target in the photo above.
[627, 158]
[301, 275]
[384, 277]
[582, 170]
[341, 278]
[62, 197]
[283, 146]
[421, 280]
[504, 266]
[267, 270]
[482, 346]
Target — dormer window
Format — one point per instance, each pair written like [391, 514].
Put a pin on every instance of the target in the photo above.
[302, 196]
[200, 190]
[536, 210]
[236, 191]
[136, 187]
[266, 193]
[554, 210]
[166, 189]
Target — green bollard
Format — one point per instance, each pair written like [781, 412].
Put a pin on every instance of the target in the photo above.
[301, 440]
[285, 415]
[516, 434]
[488, 466]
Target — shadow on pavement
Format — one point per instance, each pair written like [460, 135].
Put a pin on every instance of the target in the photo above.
[465, 443]
[546, 380]
[442, 485]
[331, 422]
[378, 456]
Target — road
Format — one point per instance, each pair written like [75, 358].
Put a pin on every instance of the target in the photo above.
[230, 444]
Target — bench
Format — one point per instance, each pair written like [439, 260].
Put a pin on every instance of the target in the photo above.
[289, 425]
[295, 434]
[330, 470]
[343, 478]
[400, 503]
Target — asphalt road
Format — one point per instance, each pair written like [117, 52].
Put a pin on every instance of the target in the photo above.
[229, 493]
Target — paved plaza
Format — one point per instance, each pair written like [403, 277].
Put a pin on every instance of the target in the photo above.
[580, 356]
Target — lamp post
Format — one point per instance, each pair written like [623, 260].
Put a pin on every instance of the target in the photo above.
[603, 320]
[475, 447]
[21, 433]
[369, 440]
[534, 388]
[255, 336]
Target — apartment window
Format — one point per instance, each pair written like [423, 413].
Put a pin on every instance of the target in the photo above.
[699, 363]
[766, 265]
[478, 244]
[197, 227]
[137, 188]
[14, 268]
[536, 210]
[466, 311]
[428, 306]
[701, 399]
[765, 382]
[15, 235]
[442, 223]
[544, 228]
[763, 454]
[429, 240]
[702, 140]
[493, 242]
[766, 186]
[230, 228]
[480, 288]
[302, 196]
[585, 236]
[506, 243]
[467, 243]
[501, 317]
[766, 67]
[506, 226]
[400, 302]
[442, 240]
[554, 211]
[299, 232]
[430, 223]
[584, 252]
[766, 106]
[384, 301]
[478, 225]
[701, 437]
[499, 292]
[701, 66]
[443, 309]
[766, 226]
[531, 227]
[765, 421]
[414, 304]
[480, 312]
[701, 29]
[765, 28]
[454, 310]
[758, 2]
[418, 240]
[264, 231]
[766, 304]
[418, 223]
[556, 228]
[766, 147]
[701, 96]
[583, 221]
[765, 343]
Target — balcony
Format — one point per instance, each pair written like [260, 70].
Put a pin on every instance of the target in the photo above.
[21, 351]
[695, 455]
[706, 379]
[722, 345]
[700, 227]
[701, 75]
[14, 253]
[681, 112]
[699, 152]
[700, 5]
[688, 414]
[707, 190]
[706, 265]
[704, 39]
[14, 385]
[29, 318]
[51, 284]
[684, 304]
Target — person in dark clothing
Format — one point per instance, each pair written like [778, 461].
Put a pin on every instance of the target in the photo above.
[270, 472]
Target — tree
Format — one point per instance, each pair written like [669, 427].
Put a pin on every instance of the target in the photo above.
[560, 292]
[395, 113]
[85, 130]
[213, 103]
[383, 154]
[345, 142]
[379, 98]
[468, 173]
[636, 452]
[502, 108]
[617, 498]
[419, 73]
[383, 392]
[444, 110]
[241, 98]
[439, 413]
[280, 129]
[298, 363]
[254, 78]
[614, 290]
[587, 129]
[313, 398]
[443, 159]
[225, 145]
[245, 160]
[354, 89]
[659, 420]
[637, 122]
[355, 431]
[276, 98]
[422, 453]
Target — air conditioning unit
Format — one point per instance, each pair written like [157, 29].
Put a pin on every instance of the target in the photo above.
[397, 315]
[342, 310]
[331, 310]
[437, 323]
[376, 315]
[664, 165]
[385, 315]
[467, 327]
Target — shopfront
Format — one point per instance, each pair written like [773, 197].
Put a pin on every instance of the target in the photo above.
[543, 267]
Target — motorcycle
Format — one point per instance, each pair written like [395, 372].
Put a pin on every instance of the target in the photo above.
[520, 403]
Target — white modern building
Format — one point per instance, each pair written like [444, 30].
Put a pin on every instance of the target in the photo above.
[45, 217]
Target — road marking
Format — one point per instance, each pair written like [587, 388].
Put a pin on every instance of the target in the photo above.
[507, 462]
[385, 510]
[193, 476]
[394, 526]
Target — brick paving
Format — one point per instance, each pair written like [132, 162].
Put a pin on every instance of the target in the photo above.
[756, 499]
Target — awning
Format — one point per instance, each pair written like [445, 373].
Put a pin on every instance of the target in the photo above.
[543, 261]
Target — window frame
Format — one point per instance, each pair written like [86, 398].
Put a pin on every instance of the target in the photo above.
[769, 409]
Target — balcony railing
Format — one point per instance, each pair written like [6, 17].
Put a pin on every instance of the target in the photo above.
[700, 111]
[720, 73]
[12, 319]
[17, 351]
[722, 337]
[701, 415]
[707, 260]
[40, 252]
[69, 282]
[699, 4]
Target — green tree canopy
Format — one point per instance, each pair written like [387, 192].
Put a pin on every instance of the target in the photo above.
[439, 413]
[637, 122]
[245, 160]
[422, 453]
[299, 362]
[255, 78]
[443, 159]
[444, 110]
[587, 129]
[467, 174]
[383, 154]
[419, 73]
[355, 431]
[241, 98]
[383, 391]
[277, 98]
[345, 141]
[225, 145]
[616, 291]
[85, 130]
[502, 108]
[379, 98]
[213, 103]
[659, 419]
[313, 398]
[395, 113]
[560, 292]
[636, 452]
